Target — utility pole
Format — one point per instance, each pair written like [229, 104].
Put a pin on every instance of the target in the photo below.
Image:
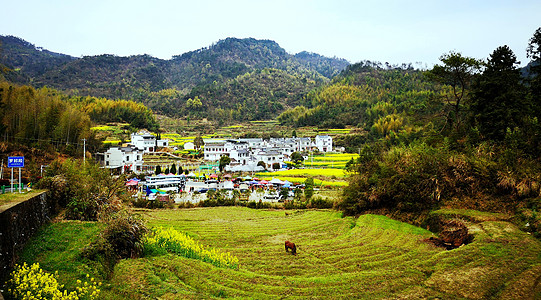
[84, 151]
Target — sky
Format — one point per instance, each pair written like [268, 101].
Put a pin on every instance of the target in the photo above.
[414, 31]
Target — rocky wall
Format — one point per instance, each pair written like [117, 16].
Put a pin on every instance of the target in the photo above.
[17, 225]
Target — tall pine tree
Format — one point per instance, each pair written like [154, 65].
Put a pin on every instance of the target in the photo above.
[499, 98]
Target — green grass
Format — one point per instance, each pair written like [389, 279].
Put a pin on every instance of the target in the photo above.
[10, 198]
[57, 247]
[371, 257]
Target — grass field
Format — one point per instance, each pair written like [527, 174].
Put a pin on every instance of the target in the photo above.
[338, 258]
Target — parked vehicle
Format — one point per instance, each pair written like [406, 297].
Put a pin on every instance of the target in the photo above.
[272, 196]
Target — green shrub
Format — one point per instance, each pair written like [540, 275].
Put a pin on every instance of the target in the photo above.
[321, 203]
[86, 190]
[295, 204]
[122, 238]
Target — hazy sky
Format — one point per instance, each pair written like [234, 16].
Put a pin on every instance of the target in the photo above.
[379, 30]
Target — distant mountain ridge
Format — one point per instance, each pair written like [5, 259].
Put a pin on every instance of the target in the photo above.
[140, 77]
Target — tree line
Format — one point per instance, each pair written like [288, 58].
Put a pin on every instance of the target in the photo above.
[474, 141]
[44, 116]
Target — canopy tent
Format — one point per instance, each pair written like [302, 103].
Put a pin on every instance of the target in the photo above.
[276, 181]
[227, 176]
[191, 175]
[247, 177]
[253, 182]
[263, 182]
[132, 182]
[213, 176]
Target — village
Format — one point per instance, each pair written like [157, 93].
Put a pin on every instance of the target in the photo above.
[245, 157]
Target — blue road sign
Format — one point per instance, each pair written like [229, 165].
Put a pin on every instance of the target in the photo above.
[16, 162]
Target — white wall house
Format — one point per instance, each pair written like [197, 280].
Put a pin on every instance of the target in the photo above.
[189, 146]
[214, 150]
[162, 143]
[323, 143]
[125, 158]
[144, 141]
[147, 141]
[269, 157]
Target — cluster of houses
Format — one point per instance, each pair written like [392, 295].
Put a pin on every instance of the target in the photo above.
[245, 154]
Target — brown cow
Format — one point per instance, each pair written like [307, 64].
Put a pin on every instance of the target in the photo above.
[290, 245]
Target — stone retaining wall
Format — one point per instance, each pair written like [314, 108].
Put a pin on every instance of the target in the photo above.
[17, 225]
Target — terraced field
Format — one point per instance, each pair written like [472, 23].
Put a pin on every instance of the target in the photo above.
[344, 258]
[338, 258]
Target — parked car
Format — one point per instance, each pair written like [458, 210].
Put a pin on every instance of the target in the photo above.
[272, 196]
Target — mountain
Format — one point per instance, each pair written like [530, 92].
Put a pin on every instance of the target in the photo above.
[363, 95]
[328, 67]
[146, 79]
[28, 61]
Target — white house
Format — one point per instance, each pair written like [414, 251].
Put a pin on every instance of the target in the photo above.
[189, 146]
[214, 150]
[162, 143]
[144, 141]
[323, 143]
[269, 157]
[147, 141]
[125, 158]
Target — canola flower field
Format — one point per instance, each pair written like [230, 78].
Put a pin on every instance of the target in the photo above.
[31, 282]
[161, 240]
[339, 173]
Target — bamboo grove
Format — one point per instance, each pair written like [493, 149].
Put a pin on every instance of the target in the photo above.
[45, 116]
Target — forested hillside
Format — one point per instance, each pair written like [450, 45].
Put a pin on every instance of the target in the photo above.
[257, 96]
[47, 119]
[367, 94]
[166, 85]
[464, 134]
[28, 61]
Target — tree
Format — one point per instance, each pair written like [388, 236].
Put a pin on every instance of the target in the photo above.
[534, 52]
[158, 170]
[498, 95]
[224, 161]
[276, 166]
[173, 169]
[198, 142]
[262, 164]
[534, 46]
[296, 158]
[458, 72]
[309, 188]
